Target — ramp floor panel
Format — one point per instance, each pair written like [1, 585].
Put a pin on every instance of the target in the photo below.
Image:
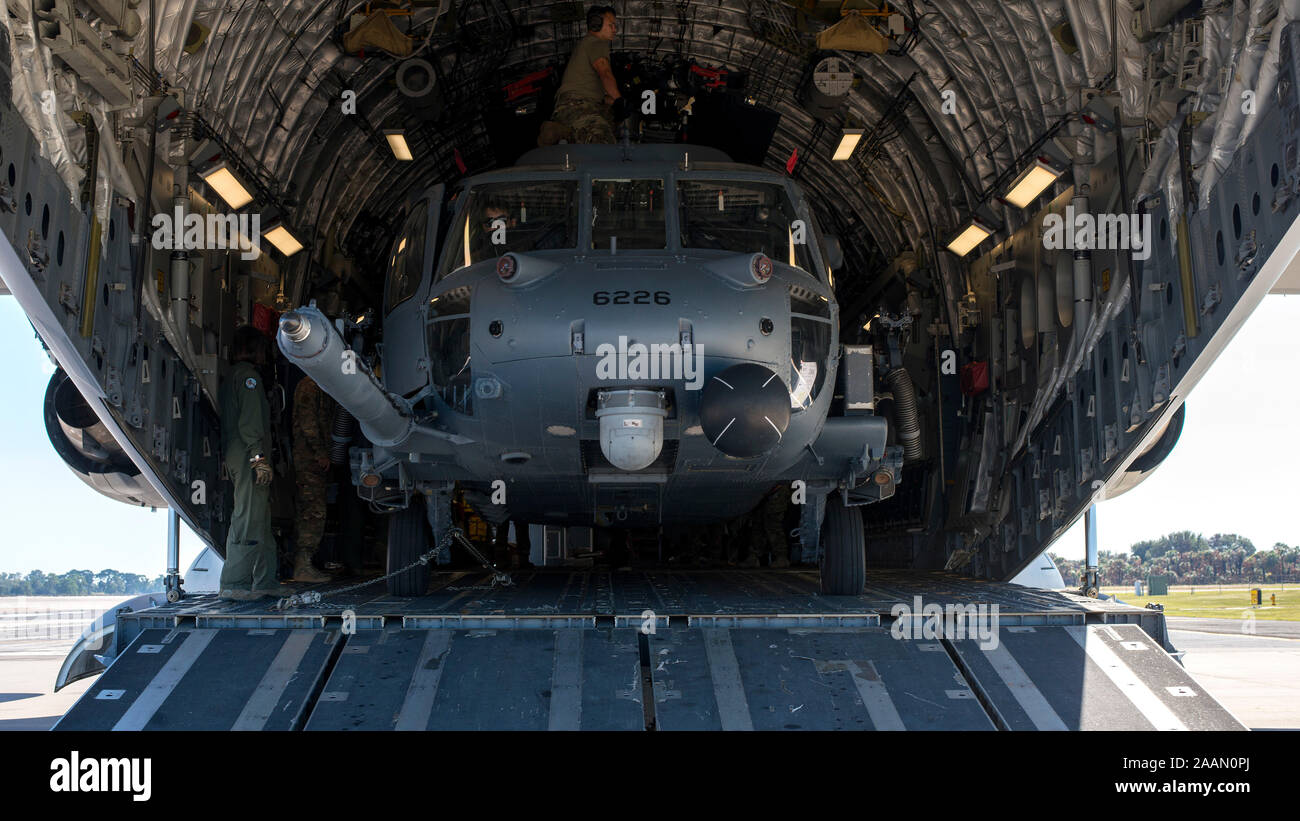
[1098, 677]
[807, 679]
[1143, 671]
[576, 650]
[484, 679]
[1091, 677]
[206, 680]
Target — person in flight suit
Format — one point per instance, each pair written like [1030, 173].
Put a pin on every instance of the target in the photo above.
[313, 421]
[588, 100]
[249, 570]
[494, 224]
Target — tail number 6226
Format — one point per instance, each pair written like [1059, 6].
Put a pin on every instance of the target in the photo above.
[630, 298]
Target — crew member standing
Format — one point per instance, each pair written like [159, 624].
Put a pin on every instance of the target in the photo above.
[313, 421]
[768, 532]
[516, 554]
[249, 570]
[588, 90]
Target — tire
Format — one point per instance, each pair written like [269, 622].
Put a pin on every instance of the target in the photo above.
[844, 550]
[408, 538]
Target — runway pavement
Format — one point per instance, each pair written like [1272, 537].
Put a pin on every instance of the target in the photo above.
[36, 633]
[1237, 627]
[1257, 677]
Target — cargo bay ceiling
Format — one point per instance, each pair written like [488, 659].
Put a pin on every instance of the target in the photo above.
[275, 74]
[954, 99]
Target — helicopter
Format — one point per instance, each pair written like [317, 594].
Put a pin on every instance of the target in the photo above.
[611, 337]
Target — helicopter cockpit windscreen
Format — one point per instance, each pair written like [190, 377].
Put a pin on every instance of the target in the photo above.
[745, 217]
[628, 214]
[518, 216]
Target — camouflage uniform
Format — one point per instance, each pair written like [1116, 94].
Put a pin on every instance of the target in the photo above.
[767, 529]
[771, 520]
[705, 544]
[313, 421]
[591, 120]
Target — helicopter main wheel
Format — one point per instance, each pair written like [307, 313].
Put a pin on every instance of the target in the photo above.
[844, 550]
[408, 538]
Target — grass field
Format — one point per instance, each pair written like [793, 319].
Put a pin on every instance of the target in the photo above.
[1230, 604]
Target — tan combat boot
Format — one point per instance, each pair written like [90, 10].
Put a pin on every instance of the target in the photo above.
[303, 571]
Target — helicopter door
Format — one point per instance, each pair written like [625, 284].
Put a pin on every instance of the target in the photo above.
[409, 265]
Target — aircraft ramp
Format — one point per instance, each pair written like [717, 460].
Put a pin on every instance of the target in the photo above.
[663, 650]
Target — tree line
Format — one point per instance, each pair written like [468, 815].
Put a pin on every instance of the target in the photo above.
[77, 583]
[1190, 558]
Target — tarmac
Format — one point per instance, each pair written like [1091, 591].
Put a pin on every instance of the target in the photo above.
[36, 633]
[1237, 627]
[1256, 677]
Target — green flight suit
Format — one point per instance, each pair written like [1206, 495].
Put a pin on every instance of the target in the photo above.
[246, 430]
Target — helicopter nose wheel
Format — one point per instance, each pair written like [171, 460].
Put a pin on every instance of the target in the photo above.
[408, 538]
[844, 550]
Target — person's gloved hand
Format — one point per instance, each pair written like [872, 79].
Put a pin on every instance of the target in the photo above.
[620, 109]
[262, 472]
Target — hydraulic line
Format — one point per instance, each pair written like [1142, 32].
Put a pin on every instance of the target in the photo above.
[341, 437]
[905, 414]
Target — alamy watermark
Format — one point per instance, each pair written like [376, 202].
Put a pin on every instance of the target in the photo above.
[179, 231]
[658, 360]
[127, 775]
[1085, 232]
[954, 622]
[21, 623]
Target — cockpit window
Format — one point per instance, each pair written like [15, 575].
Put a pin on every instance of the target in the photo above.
[810, 343]
[628, 214]
[513, 216]
[745, 217]
[406, 264]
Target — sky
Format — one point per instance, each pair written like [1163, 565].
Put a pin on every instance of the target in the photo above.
[1234, 469]
[49, 519]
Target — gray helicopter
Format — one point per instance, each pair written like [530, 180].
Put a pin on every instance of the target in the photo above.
[619, 337]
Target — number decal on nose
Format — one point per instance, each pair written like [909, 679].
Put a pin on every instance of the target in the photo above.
[630, 298]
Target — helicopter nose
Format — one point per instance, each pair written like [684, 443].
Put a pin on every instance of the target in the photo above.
[744, 410]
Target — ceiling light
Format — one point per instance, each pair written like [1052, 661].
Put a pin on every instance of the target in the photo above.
[970, 236]
[397, 142]
[848, 143]
[220, 178]
[282, 239]
[1032, 182]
